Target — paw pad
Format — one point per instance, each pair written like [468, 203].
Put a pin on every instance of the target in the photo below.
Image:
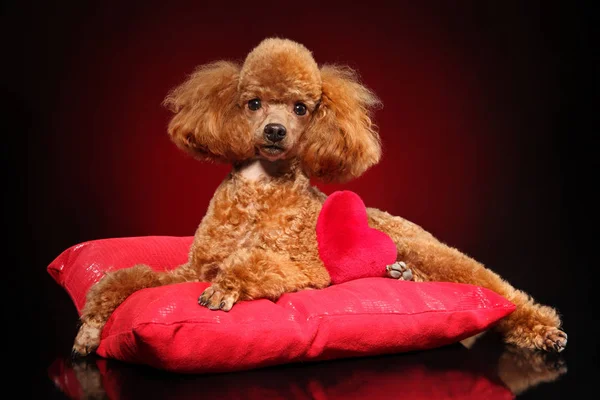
[400, 271]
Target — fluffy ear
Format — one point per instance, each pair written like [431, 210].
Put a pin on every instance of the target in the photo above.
[208, 121]
[341, 142]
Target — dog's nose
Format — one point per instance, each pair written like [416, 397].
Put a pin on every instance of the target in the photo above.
[275, 132]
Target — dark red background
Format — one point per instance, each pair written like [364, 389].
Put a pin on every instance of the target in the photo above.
[485, 125]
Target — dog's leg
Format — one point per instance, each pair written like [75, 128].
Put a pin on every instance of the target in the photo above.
[106, 295]
[258, 274]
[531, 325]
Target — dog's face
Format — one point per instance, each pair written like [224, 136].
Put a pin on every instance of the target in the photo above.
[277, 126]
[278, 105]
[279, 87]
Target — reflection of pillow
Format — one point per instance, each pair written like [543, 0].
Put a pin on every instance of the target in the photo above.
[166, 328]
[447, 374]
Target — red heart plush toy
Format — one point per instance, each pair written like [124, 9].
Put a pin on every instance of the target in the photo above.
[348, 247]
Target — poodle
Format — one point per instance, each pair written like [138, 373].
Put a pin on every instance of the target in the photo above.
[279, 119]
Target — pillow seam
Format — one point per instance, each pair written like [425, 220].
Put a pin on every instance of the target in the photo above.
[317, 316]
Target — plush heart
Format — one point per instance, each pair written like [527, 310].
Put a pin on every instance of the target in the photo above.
[348, 247]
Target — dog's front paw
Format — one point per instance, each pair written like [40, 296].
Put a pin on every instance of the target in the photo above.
[549, 338]
[87, 339]
[400, 271]
[217, 298]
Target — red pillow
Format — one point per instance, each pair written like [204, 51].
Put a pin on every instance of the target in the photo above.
[79, 267]
[165, 327]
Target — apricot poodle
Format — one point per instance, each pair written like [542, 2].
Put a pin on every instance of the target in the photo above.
[280, 119]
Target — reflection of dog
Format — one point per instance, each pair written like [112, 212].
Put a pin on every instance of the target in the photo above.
[518, 368]
[280, 119]
[521, 369]
[450, 372]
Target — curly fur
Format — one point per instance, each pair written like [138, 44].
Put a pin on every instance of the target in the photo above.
[342, 141]
[258, 237]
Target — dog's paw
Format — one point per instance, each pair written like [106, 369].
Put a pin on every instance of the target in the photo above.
[549, 338]
[216, 298]
[87, 340]
[400, 271]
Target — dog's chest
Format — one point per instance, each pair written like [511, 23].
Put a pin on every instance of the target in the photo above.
[269, 226]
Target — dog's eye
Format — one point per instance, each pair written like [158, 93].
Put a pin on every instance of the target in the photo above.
[254, 104]
[300, 109]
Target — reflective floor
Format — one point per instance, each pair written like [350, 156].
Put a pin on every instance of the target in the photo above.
[481, 370]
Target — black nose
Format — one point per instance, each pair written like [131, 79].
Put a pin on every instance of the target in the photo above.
[274, 132]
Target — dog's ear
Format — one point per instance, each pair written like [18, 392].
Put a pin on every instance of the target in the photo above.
[208, 122]
[341, 142]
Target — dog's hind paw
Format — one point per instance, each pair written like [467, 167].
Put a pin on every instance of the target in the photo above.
[550, 339]
[400, 271]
